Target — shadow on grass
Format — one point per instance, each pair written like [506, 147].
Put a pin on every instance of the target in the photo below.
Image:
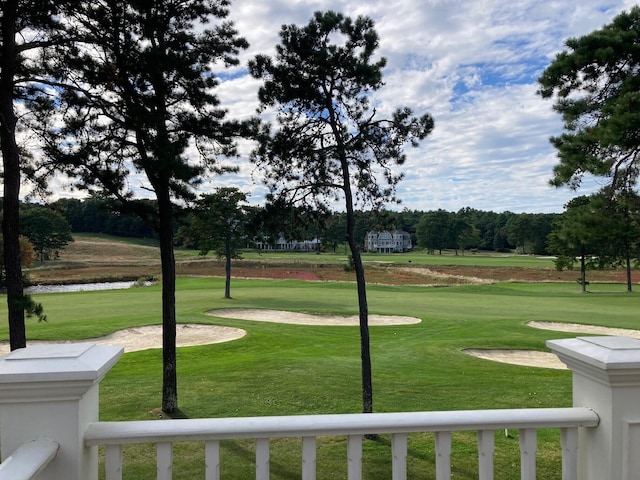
[178, 414]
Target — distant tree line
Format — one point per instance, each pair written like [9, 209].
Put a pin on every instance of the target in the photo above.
[434, 230]
[97, 214]
[605, 233]
[468, 228]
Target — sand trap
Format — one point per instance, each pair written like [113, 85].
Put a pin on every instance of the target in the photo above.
[143, 338]
[590, 329]
[530, 358]
[527, 358]
[295, 318]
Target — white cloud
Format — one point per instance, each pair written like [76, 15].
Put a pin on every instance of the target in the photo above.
[473, 65]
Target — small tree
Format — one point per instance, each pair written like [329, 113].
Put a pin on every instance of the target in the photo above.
[46, 229]
[622, 211]
[462, 232]
[580, 233]
[330, 141]
[219, 222]
[434, 231]
[27, 256]
[520, 231]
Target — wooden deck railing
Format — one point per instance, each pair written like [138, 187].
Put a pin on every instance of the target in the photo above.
[164, 433]
[28, 460]
[49, 397]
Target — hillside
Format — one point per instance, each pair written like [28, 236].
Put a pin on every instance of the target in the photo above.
[92, 258]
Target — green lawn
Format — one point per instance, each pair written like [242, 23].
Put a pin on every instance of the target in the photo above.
[280, 369]
[420, 257]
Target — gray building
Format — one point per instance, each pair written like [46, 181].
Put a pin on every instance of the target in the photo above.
[388, 242]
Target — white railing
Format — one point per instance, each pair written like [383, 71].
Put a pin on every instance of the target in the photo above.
[50, 394]
[28, 460]
[354, 426]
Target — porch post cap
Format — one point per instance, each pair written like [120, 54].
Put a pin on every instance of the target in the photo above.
[58, 363]
[607, 358]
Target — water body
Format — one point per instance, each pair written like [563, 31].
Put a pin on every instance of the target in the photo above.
[82, 287]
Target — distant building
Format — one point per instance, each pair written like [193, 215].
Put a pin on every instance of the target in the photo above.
[388, 242]
[290, 245]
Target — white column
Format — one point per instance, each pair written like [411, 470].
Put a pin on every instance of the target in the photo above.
[51, 392]
[606, 378]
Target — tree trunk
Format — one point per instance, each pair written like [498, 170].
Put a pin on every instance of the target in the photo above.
[169, 375]
[583, 274]
[365, 349]
[629, 282]
[11, 180]
[227, 270]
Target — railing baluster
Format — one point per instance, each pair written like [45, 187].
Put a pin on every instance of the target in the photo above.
[354, 456]
[443, 455]
[528, 447]
[164, 461]
[569, 443]
[113, 462]
[399, 425]
[262, 459]
[308, 458]
[486, 449]
[399, 456]
[212, 460]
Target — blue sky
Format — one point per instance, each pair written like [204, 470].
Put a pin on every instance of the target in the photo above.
[474, 66]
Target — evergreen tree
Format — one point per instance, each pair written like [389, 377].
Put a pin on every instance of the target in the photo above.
[29, 32]
[141, 115]
[329, 141]
[47, 230]
[596, 85]
[581, 233]
[220, 222]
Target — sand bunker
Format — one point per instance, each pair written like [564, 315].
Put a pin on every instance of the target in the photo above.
[590, 329]
[143, 338]
[527, 358]
[295, 318]
[530, 358]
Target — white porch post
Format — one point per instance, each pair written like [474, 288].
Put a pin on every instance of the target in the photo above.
[606, 378]
[51, 392]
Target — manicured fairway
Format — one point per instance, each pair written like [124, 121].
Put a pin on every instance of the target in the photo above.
[279, 369]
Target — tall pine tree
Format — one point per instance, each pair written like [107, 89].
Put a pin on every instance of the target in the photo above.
[141, 115]
[330, 142]
[29, 30]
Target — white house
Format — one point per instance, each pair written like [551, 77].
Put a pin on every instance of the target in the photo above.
[388, 242]
[290, 245]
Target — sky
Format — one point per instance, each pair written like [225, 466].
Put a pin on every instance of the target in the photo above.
[473, 65]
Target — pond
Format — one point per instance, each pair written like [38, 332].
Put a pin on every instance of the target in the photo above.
[83, 287]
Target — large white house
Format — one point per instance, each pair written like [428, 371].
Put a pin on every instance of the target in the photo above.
[388, 242]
